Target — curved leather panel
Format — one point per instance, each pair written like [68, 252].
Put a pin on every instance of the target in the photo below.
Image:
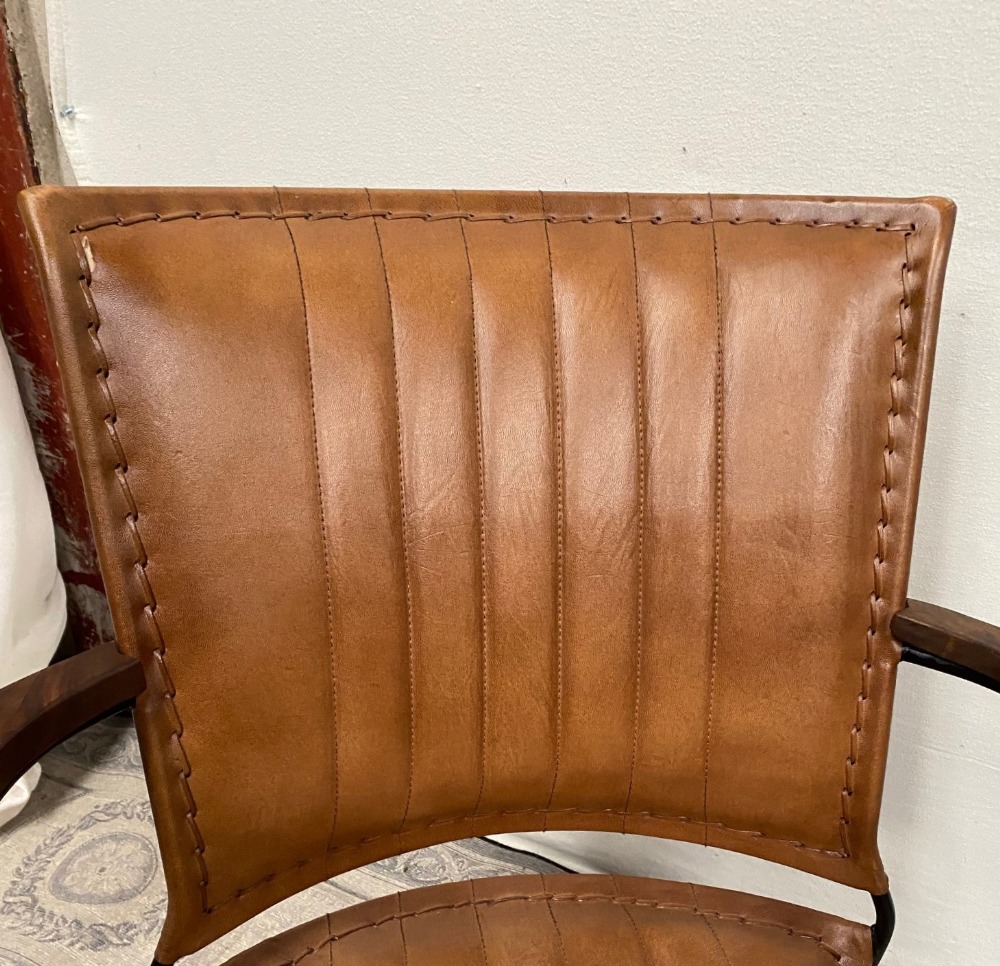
[434, 514]
[568, 920]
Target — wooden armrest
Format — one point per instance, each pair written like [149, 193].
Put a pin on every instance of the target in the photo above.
[44, 709]
[948, 641]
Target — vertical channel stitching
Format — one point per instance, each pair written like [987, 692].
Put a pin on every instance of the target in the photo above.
[716, 555]
[404, 527]
[479, 922]
[624, 906]
[641, 491]
[718, 942]
[555, 924]
[483, 609]
[327, 582]
[708, 923]
[402, 934]
[560, 505]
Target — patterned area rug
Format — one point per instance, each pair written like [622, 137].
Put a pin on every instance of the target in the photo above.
[80, 878]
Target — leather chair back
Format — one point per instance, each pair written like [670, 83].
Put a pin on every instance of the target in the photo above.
[438, 514]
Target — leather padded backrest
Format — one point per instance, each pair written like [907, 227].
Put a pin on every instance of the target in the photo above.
[434, 514]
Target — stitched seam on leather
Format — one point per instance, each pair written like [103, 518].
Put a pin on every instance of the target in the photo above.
[549, 898]
[479, 924]
[717, 550]
[709, 926]
[560, 504]
[641, 490]
[480, 460]
[140, 566]
[405, 534]
[402, 934]
[906, 229]
[640, 942]
[555, 926]
[882, 543]
[327, 583]
[437, 823]
[125, 221]
[718, 942]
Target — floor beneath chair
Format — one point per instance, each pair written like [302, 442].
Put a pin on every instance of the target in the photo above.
[80, 878]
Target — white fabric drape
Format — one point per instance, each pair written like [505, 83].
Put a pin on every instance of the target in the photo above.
[32, 595]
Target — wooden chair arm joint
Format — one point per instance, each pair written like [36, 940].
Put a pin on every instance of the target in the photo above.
[44, 709]
[947, 641]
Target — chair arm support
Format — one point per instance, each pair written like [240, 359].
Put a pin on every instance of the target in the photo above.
[44, 709]
[947, 641]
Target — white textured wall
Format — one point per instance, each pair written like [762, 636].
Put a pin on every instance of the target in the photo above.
[872, 97]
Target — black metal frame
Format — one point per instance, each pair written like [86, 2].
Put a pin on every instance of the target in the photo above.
[885, 925]
[913, 655]
[885, 911]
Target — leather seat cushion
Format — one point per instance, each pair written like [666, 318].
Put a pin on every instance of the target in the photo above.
[568, 920]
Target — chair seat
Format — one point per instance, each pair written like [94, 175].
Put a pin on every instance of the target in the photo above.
[568, 920]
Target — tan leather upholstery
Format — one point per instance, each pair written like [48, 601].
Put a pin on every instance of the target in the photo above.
[568, 920]
[434, 514]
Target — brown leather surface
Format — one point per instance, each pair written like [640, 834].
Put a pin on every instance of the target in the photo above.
[568, 920]
[434, 514]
